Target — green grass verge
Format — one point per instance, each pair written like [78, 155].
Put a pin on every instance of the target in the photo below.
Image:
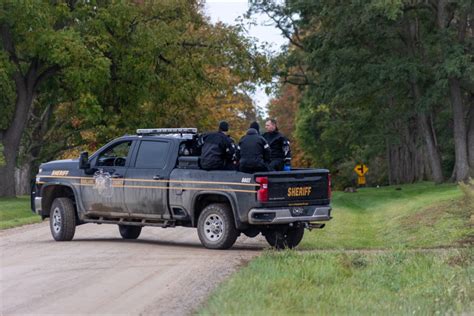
[399, 279]
[400, 283]
[420, 215]
[16, 212]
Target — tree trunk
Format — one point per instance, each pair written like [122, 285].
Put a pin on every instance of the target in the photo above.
[26, 85]
[11, 138]
[389, 161]
[427, 134]
[461, 166]
[432, 151]
[470, 140]
[406, 155]
[7, 173]
[23, 180]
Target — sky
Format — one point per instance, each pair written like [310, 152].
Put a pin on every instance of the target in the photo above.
[227, 11]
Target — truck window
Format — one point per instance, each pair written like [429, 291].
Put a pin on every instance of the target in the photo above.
[115, 155]
[152, 155]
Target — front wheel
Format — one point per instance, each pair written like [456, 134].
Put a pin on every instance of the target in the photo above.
[62, 219]
[285, 238]
[216, 227]
[129, 231]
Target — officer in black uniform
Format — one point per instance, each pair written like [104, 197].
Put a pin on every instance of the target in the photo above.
[253, 151]
[217, 149]
[279, 145]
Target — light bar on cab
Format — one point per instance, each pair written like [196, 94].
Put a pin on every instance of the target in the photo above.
[157, 131]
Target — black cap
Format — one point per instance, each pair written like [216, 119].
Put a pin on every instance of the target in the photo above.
[255, 126]
[223, 126]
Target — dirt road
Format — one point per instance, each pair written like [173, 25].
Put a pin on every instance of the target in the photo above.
[165, 271]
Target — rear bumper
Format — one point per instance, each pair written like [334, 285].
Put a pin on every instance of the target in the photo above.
[289, 215]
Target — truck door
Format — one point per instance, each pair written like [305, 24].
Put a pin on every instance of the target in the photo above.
[103, 192]
[146, 189]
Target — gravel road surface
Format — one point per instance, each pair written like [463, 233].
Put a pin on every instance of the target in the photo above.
[165, 271]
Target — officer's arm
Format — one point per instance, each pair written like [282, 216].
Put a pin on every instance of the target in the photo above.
[200, 141]
[237, 152]
[229, 149]
[266, 151]
[286, 149]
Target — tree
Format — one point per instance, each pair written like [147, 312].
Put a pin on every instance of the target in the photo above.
[284, 108]
[39, 41]
[86, 72]
[388, 63]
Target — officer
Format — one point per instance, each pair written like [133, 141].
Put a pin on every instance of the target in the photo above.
[217, 149]
[279, 145]
[253, 151]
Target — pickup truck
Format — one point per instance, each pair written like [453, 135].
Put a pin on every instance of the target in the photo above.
[153, 178]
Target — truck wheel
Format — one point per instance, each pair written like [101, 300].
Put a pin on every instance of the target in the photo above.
[62, 219]
[285, 238]
[216, 227]
[129, 231]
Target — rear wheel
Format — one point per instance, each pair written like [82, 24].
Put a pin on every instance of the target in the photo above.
[129, 231]
[62, 219]
[216, 227]
[288, 237]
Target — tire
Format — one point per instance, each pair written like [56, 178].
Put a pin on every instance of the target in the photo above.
[62, 219]
[216, 228]
[129, 231]
[285, 238]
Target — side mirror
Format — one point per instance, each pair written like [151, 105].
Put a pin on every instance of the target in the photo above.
[84, 160]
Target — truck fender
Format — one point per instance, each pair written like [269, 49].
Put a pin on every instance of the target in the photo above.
[47, 200]
[227, 196]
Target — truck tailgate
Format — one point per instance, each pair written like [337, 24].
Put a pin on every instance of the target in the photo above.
[305, 186]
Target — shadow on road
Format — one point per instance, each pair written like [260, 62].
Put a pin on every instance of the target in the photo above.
[166, 243]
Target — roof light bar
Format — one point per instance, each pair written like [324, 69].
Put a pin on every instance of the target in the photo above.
[156, 131]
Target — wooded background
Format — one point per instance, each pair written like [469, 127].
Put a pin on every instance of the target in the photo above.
[386, 83]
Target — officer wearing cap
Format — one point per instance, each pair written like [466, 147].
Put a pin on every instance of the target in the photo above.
[217, 149]
[279, 145]
[253, 151]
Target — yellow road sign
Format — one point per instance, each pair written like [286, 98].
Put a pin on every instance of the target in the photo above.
[361, 169]
[361, 181]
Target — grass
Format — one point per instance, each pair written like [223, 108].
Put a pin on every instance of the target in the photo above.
[400, 283]
[375, 257]
[421, 215]
[16, 212]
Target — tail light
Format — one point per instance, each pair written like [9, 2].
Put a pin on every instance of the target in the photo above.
[329, 186]
[262, 193]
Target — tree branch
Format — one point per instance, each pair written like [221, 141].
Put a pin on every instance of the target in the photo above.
[46, 74]
[284, 31]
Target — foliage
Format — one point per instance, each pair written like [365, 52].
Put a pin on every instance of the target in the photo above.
[119, 66]
[7, 97]
[358, 64]
[167, 69]
[283, 108]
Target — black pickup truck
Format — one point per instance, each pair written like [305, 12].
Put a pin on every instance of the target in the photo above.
[153, 178]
